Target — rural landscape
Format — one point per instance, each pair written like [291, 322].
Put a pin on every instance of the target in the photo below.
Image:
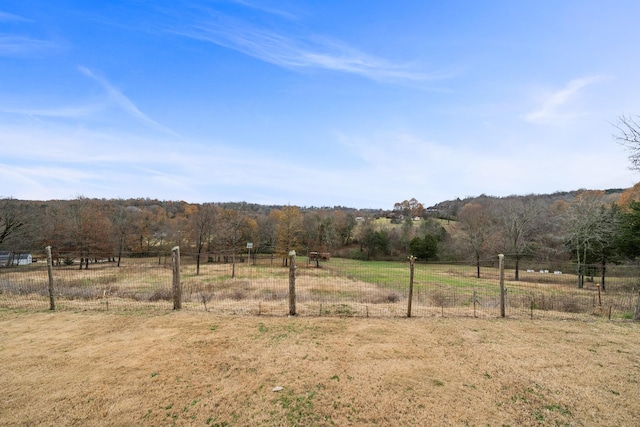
[561, 253]
[399, 317]
[240, 213]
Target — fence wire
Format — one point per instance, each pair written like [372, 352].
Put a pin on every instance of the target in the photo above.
[259, 285]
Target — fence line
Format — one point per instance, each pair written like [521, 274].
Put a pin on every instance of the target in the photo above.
[339, 287]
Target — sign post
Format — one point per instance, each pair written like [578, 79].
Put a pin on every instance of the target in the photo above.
[249, 247]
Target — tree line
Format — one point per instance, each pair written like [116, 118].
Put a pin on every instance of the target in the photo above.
[585, 227]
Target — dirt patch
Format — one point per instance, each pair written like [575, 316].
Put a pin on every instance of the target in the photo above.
[199, 369]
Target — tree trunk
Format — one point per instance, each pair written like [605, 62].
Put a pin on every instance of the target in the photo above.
[120, 246]
[233, 264]
[580, 276]
[580, 270]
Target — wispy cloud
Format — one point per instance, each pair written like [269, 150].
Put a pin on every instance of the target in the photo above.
[18, 44]
[58, 113]
[554, 105]
[271, 10]
[125, 103]
[132, 166]
[6, 16]
[302, 51]
[13, 45]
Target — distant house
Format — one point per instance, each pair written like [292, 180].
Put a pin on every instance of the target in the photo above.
[10, 258]
[324, 256]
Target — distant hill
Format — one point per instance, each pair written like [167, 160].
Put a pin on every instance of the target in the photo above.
[450, 208]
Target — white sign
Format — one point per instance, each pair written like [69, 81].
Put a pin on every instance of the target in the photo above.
[249, 245]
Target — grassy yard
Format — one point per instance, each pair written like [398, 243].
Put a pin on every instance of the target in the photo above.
[195, 368]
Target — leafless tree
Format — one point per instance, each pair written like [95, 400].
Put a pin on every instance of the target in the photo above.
[202, 227]
[12, 220]
[120, 219]
[516, 220]
[237, 226]
[628, 135]
[475, 222]
[91, 230]
[586, 227]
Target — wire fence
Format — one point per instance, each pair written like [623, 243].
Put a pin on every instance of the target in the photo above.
[261, 285]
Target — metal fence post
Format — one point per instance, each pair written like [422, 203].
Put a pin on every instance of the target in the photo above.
[177, 287]
[502, 290]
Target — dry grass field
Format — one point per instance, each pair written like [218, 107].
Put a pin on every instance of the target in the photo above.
[195, 368]
[339, 288]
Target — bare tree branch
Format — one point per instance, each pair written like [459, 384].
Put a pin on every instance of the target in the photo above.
[628, 135]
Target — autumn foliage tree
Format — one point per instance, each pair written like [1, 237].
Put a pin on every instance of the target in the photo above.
[288, 228]
[409, 208]
[345, 224]
[236, 228]
[81, 227]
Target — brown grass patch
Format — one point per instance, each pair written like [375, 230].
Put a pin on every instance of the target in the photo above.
[199, 369]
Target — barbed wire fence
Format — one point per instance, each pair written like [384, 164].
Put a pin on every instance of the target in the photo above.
[253, 284]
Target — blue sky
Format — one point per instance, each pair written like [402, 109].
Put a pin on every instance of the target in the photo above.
[314, 103]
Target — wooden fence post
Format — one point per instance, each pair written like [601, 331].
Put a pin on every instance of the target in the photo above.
[52, 301]
[412, 260]
[636, 315]
[292, 283]
[177, 287]
[502, 290]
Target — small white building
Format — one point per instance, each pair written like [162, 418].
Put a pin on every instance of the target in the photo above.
[8, 258]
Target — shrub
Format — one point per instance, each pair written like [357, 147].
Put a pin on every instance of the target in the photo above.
[161, 295]
[344, 310]
[439, 299]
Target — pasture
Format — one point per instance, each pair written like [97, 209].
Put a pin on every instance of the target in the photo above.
[166, 368]
[340, 287]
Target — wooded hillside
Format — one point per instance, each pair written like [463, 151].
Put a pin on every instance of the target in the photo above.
[583, 226]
